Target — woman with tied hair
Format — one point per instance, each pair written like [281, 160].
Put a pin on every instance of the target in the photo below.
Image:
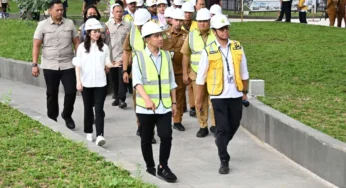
[92, 58]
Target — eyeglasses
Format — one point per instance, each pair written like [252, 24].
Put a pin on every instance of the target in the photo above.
[225, 28]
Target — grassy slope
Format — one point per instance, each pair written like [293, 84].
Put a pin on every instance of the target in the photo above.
[32, 155]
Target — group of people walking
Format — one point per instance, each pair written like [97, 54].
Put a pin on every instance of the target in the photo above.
[166, 51]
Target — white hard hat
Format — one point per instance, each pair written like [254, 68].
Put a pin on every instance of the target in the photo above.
[150, 28]
[161, 2]
[215, 9]
[188, 7]
[142, 16]
[92, 23]
[203, 14]
[150, 3]
[140, 3]
[178, 2]
[193, 2]
[218, 21]
[178, 14]
[168, 12]
[130, 1]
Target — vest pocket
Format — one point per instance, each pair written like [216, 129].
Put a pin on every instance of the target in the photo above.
[215, 76]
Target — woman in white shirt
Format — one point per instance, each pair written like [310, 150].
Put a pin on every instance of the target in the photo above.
[92, 58]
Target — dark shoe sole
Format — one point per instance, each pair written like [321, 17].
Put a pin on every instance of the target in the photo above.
[222, 172]
[174, 127]
[169, 181]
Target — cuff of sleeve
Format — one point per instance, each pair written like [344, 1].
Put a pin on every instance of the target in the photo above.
[198, 82]
[76, 61]
[245, 76]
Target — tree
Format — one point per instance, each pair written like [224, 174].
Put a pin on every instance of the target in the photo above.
[32, 8]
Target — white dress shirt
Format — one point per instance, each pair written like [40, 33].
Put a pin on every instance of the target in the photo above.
[137, 80]
[92, 65]
[229, 89]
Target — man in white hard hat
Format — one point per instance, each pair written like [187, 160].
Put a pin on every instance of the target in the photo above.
[178, 3]
[168, 13]
[155, 99]
[130, 10]
[118, 29]
[223, 68]
[189, 24]
[152, 8]
[192, 49]
[134, 42]
[173, 41]
[215, 9]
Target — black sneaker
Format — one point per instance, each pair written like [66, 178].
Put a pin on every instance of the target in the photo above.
[115, 103]
[213, 129]
[224, 169]
[69, 122]
[151, 171]
[122, 105]
[203, 132]
[153, 141]
[193, 112]
[179, 127]
[166, 174]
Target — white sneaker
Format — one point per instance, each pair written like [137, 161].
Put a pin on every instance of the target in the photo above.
[100, 141]
[89, 137]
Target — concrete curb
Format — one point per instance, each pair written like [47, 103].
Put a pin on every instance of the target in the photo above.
[315, 151]
[115, 157]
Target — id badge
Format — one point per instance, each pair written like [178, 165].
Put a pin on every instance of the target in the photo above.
[230, 79]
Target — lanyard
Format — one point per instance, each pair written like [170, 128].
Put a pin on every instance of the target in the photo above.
[226, 57]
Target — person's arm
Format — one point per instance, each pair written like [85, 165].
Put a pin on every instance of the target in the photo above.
[126, 56]
[203, 67]
[35, 53]
[75, 38]
[244, 73]
[76, 61]
[83, 7]
[173, 87]
[185, 50]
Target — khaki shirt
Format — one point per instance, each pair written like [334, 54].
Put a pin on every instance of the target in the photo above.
[118, 33]
[57, 50]
[186, 50]
[173, 42]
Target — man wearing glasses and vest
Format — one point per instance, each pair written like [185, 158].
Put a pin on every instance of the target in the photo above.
[192, 49]
[153, 78]
[223, 68]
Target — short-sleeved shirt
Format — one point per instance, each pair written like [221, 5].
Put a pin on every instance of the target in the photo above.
[173, 42]
[118, 33]
[57, 50]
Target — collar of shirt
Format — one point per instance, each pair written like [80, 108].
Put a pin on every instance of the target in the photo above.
[171, 31]
[52, 22]
[219, 45]
[204, 34]
[121, 23]
[129, 12]
[150, 54]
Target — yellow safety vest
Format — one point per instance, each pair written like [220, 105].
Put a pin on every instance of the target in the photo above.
[197, 45]
[128, 18]
[193, 26]
[215, 70]
[136, 41]
[156, 84]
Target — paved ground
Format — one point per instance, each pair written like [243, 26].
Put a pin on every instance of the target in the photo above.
[194, 160]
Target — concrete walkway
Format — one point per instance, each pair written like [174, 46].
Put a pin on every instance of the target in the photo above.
[194, 160]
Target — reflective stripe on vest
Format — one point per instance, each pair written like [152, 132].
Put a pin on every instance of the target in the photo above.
[197, 45]
[136, 41]
[156, 84]
[215, 73]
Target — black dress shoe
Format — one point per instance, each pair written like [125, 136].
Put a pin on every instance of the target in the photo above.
[151, 171]
[212, 129]
[166, 174]
[203, 132]
[113, 96]
[153, 141]
[179, 127]
[193, 112]
[115, 103]
[224, 169]
[69, 123]
[122, 105]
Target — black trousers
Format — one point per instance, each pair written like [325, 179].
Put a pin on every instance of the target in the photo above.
[164, 129]
[302, 17]
[286, 9]
[94, 97]
[120, 88]
[228, 113]
[68, 80]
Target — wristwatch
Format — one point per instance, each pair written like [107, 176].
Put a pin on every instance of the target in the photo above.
[34, 64]
[245, 91]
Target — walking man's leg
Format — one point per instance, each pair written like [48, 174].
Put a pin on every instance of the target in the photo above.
[68, 79]
[52, 78]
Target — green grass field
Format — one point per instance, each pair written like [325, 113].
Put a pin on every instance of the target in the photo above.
[32, 155]
[302, 65]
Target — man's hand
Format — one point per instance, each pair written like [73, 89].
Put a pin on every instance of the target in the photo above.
[186, 79]
[174, 110]
[126, 77]
[79, 86]
[244, 97]
[35, 71]
[198, 104]
[149, 104]
[117, 64]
